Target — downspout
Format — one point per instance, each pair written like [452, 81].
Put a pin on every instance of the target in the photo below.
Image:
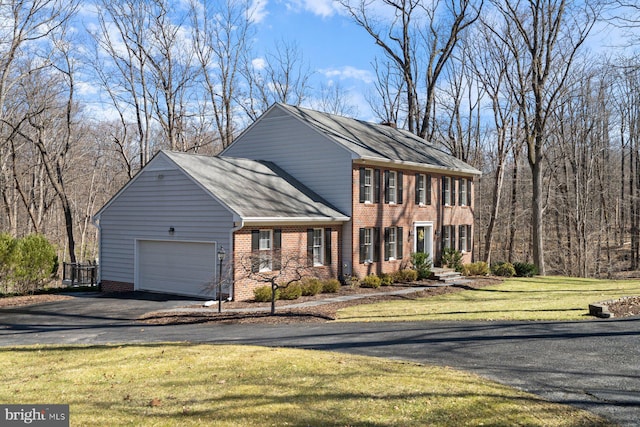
[232, 255]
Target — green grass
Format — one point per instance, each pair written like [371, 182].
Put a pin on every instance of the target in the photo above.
[179, 384]
[536, 298]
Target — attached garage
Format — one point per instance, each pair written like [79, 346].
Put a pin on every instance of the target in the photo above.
[183, 268]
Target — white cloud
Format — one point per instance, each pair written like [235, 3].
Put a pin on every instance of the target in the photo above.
[258, 10]
[258, 63]
[348, 72]
[323, 8]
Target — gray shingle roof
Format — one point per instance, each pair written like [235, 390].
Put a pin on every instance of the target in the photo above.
[255, 190]
[379, 142]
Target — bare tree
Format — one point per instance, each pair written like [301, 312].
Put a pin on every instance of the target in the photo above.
[281, 76]
[419, 39]
[543, 39]
[291, 268]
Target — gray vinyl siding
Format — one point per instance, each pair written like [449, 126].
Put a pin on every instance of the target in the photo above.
[154, 201]
[311, 158]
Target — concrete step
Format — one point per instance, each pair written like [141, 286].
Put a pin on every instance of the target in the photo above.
[446, 275]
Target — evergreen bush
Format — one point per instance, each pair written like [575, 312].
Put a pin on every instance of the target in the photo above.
[311, 286]
[503, 269]
[525, 269]
[452, 258]
[371, 281]
[406, 275]
[330, 286]
[479, 268]
[263, 294]
[386, 279]
[422, 264]
[291, 291]
[35, 260]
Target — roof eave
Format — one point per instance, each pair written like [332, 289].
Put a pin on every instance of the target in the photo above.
[253, 221]
[378, 161]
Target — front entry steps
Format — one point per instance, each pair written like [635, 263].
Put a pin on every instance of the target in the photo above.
[447, 276]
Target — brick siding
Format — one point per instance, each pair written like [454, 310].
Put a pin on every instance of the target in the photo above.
[381, 215]
[113, 286]
[293, 249]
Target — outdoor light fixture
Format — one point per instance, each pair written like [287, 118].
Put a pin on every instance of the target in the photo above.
[221, 255]
[171, 231]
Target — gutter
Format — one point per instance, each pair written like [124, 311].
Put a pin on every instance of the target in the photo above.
[95, 220]
[372, 161]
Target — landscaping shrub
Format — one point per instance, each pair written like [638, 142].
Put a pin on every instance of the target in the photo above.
[352, 281]
[525, 269]
[35, 260]
[331, 286]
[291, 291]
[452, 258]
[7, 259]
[386, 279]
[479, 268]
[422, 264]
[371, 281]
[406, 275]
[503, 269]
[311, 286]
[263, 294]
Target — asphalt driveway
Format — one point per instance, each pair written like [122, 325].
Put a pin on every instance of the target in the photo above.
[594, 365]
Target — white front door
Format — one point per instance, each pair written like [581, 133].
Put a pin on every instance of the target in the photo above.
[423, 240]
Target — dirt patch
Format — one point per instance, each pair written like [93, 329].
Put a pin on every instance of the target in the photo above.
[320, 313]
[31, 299]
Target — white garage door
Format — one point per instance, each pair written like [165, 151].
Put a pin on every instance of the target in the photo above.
[183, 268]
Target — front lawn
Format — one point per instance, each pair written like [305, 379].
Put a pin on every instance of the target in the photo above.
[179, 384]
[536, 298]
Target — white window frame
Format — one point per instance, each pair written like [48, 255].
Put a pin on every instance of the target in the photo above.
[368, 244]
[462, 238]
[446, 237]
[422, 189]
[265, 250]
[393, 243]
[446, 182]
[368, 185]
[318, 247]
[392, 188]
[462, 190]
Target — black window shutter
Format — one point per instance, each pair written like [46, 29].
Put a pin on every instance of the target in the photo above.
[376, 244]
[460, 185]
[460, 248]
[277, 250]
[386, 186]
[428, 189]
[387, 248]
[444, 189]
[363, 249]
[469, 192]
[417, 188]
[399, 186]
[453, 236]
[362, 185]
[310, 247]
[255, 247]
[399, 243]
[376, 186]
[453, 191]
[327, 246]
[469, 242]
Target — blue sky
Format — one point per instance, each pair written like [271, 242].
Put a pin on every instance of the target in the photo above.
[335, 48]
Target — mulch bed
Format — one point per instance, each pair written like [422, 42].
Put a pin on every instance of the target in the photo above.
[629, 306]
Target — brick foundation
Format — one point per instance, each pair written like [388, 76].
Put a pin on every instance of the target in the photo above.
[113, 286]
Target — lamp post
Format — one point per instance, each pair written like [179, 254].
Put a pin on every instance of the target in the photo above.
[221, 255]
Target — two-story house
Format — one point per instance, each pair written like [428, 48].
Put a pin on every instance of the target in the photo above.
[349, 197]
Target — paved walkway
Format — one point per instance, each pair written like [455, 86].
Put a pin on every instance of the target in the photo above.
[306, 304]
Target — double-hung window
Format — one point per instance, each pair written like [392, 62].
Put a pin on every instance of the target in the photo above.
[423, 189]
[264, 248]
[369, 185]
[464, 238]
[448, 237]
[446, 190]
[393, 187]
[462, 192]
[369, 242]
[318, 246]
[393, 243]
